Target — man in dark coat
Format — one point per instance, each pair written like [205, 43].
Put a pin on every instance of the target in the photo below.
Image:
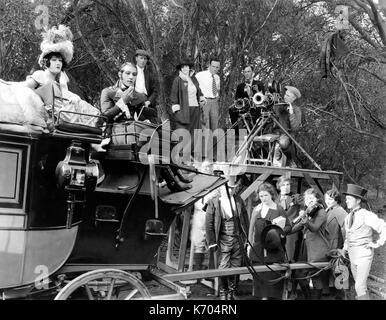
[291, 203]
[122, 100]
[247, 89]
[289, 116]
[146, 79]
[221, 233]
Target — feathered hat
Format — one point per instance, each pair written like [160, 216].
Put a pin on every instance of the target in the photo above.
[57, 39]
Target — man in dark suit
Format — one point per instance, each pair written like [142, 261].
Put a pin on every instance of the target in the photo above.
[146, 82]
[222, 236]
[291, 203]
[247, 89]
[122, 100]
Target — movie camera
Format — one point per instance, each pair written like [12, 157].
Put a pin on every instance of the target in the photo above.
[264, 102]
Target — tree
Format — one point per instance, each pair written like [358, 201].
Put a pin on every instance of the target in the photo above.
[344, 118]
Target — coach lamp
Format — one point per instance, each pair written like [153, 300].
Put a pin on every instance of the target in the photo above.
[75, 175]
[75, 172]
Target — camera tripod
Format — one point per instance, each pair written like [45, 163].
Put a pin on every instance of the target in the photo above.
[256, 134]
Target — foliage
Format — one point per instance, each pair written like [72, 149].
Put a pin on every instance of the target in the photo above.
[344, 119]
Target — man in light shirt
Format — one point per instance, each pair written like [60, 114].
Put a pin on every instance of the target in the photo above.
[209, 82]
[360, 225]
[146, 82]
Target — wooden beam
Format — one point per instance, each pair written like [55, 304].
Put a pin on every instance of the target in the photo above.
[276, 171]
[211, 273]
[299, 186]
[169, 252]
[252, 188]
[184, 240]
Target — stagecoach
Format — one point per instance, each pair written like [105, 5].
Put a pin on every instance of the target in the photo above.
[70, 218]
[76, 223]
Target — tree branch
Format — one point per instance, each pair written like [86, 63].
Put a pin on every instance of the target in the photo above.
[252, 37]
[363, 33]
[344, 122]
[89, 47]
[128, 32]
[374, 75]
[347, 95]
[378, 21]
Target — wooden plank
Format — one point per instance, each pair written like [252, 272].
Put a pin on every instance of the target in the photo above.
[169, 252]
[299, 187]
[166, 268]
[319, 186]
[313, 184]
[211, 273]
[279, 171]
[184, 240]
[82, 267]
[252, 188]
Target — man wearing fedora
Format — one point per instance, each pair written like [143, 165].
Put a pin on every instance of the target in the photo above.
[359, 226]
[290, 119]
[222, 235]
[146, 82]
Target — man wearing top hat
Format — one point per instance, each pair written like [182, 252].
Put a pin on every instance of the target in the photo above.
[146, 82]
[359, 225]
[222, 235]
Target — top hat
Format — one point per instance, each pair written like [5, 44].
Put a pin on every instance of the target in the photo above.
[141, 52]
[294, 90]
[272, 238]
[185, 62]
[356, 191]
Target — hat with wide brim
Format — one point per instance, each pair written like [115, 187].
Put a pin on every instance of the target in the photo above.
[356, 191]
[185, 62]
[273, 238]
[58, 40]
[294, 90]
[141, 52]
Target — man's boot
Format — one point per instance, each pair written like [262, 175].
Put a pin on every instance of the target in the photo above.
[173, 181]
[183, 178]
[232, 288]
[198, 260]
[223, 294]
[223, 282]
[306, 290]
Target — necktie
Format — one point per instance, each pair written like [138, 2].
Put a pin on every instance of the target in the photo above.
[248, 89]
[214, 87]
[283, 202]
[351, 222]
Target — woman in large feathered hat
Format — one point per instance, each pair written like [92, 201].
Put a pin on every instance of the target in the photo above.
[20, 105]
[57, 52]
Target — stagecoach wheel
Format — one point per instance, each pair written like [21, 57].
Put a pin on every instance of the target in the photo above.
[105, 284]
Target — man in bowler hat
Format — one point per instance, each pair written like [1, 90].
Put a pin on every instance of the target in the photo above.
[359, 226]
